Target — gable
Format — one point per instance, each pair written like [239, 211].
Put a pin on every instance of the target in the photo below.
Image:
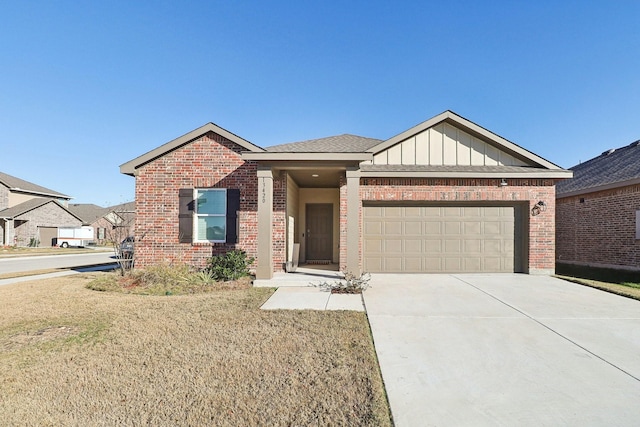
[130, 167]
[446, 145]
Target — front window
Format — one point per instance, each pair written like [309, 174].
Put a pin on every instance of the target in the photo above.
[210, 215]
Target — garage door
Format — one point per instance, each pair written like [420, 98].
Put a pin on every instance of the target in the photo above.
[439, 239]
[46, 236]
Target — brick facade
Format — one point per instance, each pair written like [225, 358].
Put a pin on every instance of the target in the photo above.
[209, 161]
[599, 228]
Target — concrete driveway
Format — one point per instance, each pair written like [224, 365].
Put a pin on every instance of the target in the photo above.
[474, 350]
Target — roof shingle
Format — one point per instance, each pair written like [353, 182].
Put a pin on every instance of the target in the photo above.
[21, 185]
[345, 143]
[611, 167]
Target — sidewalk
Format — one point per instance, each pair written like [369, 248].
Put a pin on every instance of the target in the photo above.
[311, 298]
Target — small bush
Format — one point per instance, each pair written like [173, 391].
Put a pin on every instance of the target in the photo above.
[351, 284]
[230, 266]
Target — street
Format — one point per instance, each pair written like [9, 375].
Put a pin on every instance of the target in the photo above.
[45, 262]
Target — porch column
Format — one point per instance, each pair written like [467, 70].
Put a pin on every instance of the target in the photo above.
[265, 219]
[353, 220]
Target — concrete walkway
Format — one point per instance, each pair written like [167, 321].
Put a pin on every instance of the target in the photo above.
[505, 350]
[310, 298]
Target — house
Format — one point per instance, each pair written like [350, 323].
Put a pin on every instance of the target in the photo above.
[598, 211]
[31, 214]
[111, 225]
[446, 195]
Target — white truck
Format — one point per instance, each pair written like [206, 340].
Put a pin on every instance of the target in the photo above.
[74, 237]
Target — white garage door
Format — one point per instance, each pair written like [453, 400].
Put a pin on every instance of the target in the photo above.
[439, 239]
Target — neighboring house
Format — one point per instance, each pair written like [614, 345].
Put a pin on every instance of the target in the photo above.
[444, 196]
[598, 211]
[31, 214]
[111, 225]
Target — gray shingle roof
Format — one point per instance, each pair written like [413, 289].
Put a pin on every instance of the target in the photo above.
[611, 167]
[19, 184]
[334, 144]
[87, 212]
[23, 207]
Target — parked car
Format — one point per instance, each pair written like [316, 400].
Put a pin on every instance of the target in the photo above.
[127, 247]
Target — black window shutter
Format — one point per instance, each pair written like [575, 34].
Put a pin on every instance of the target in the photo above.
[233, 206]
[185, 215]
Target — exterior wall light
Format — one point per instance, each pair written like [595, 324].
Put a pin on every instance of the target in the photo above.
[503, 183]
[538, 208]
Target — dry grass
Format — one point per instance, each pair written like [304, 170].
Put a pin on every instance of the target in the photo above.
[11, 251]
[630, 290]
[73, 356]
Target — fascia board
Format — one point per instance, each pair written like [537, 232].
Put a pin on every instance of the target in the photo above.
[595, 189]
[38, 193]
[129, 167]
[305, 157]
[556, 174]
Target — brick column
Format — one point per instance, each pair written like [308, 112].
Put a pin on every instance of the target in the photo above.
[264, 270]
[353, 221]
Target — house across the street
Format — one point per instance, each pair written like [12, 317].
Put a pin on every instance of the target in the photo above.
[598, 211]
[446, 195]
[30, 214]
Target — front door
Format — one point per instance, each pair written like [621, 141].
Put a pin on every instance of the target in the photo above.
[319, 236]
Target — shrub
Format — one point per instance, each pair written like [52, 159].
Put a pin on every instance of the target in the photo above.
[351, 284]
[229, 266]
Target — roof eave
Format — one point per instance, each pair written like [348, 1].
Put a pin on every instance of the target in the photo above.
[38, 193]
[129, 167]
[543, 174]
[597, 188]
[314, 157]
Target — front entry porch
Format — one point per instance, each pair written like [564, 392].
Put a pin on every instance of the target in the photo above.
[316, 210]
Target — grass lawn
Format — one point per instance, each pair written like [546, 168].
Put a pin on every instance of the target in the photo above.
[621, 282]
[73, 356]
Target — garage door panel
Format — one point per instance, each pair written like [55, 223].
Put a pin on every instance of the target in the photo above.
[492, 228]
[432, 228]
[433, 246]
[472, 227]
[413, 246]
[392, 228]
[472, 263]
[413, 263]
[433, 265]
[492, 247]
[373, 246]
[453, 264]
[393, 264]
[413, 228]
[372, 263]
[472, 246]
[439, 238]
[373, 228]
[492, 264]
[392, 246]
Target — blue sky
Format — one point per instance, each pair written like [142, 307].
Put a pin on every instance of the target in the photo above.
[86, 86]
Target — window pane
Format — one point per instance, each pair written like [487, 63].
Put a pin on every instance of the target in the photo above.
[212, 228]
[212, 202]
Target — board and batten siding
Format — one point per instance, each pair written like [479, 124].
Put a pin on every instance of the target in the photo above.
[445, 145]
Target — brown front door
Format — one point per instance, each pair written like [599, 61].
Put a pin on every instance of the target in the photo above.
[319, 231]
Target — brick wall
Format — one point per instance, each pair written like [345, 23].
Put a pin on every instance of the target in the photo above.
[48, 215]
[541, 230]
[600, 230]
[209, 161]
